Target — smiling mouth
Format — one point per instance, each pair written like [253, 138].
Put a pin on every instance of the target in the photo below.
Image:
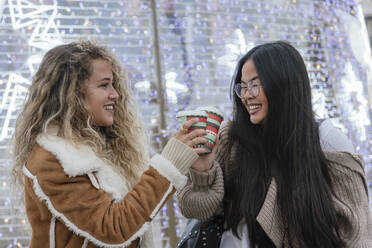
[254, 108]
[109, 107]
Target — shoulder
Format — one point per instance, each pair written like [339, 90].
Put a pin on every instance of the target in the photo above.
[57, 159]
[347, 172]
[345, 161]
[53, 154]
[223, 155]
[332, 139]
[76, 160]
[224, 129]
[41, 159]
[223, 136]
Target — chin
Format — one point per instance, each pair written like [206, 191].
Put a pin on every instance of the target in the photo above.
[109, 124]
[256, 121]
[105, 124]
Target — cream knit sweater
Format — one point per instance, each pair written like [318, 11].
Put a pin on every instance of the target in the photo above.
[203, 194]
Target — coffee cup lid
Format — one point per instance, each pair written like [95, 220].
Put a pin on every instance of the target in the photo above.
[211, 109]
[192, 113]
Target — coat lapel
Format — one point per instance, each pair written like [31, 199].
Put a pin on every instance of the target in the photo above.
[79, 160]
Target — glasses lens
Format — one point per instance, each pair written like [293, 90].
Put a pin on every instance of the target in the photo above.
[238, 89]
[254, 89]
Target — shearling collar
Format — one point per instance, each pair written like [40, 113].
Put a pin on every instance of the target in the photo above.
[81, 160]
[75, 160]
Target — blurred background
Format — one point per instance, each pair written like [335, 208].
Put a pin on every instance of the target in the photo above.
[180, 54]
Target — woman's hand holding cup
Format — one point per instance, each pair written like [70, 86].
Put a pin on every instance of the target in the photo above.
[204, 163]
[192, 137]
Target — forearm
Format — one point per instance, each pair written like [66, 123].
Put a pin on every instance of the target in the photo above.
[203, 194]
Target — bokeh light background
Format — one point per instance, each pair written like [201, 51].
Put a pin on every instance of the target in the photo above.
[180, 54]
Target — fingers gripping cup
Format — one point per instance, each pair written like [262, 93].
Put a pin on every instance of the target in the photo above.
[214, 120]
[184, 116]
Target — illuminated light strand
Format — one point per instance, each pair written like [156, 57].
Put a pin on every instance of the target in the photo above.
[206, 47]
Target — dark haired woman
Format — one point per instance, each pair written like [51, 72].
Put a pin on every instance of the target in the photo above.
[280, 178]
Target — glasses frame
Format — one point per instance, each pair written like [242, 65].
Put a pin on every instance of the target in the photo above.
[247, 86]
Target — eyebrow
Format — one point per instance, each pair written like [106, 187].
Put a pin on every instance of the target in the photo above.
[105, 79]
[249, 80]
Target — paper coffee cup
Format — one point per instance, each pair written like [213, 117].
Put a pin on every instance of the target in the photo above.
[214, 120]
[186, 115]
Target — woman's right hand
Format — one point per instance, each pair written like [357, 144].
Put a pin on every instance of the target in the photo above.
[193, 138]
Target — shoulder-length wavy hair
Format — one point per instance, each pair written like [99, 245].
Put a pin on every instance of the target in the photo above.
[56, 97]
[287, 148]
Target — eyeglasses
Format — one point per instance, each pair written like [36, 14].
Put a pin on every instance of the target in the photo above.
[252, 86]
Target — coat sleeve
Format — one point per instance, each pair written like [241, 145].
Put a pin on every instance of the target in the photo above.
[204, 192]
[91, 213]
[351, 199]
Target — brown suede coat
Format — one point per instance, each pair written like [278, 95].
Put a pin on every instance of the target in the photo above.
[72, 206]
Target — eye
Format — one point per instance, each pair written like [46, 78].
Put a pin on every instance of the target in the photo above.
[104, 85]
[255, 84]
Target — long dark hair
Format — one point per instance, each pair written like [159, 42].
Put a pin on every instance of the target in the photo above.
[286, 148]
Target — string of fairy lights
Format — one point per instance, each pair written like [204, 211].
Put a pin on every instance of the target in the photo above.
[199, 42]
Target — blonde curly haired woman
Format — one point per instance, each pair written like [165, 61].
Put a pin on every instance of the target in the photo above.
[80, 158]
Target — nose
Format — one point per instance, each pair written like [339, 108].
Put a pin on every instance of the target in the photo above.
[113, 94]
[246, 95]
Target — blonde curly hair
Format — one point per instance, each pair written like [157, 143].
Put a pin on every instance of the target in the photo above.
[56, 97]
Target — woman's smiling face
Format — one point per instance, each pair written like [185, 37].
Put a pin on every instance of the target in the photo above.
[257, 107]
[100, 93]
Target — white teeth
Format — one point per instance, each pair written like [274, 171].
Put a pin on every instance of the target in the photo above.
[110, 107]
[253, 107]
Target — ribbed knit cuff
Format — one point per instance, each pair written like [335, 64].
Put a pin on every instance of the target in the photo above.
[205, 178]
[180, 155]
[167, 170]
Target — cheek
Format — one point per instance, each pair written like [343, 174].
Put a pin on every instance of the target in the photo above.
[242, 101]
[87, 96]
[266, 109]
[93, 99]
[90, 104]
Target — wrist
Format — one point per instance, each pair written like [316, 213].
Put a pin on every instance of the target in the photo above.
[179, 154]
[202, 166]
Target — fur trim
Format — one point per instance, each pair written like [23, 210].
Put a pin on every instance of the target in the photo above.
[43, 197]
[81, 160]
[93, 180]
[52, 233]
[85, 244]
[113, 184]
[166, 169]
[147, 240]
[68, 155]
[156, 210]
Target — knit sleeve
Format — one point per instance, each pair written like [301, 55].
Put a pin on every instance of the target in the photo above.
[351, 199]
[204, 192]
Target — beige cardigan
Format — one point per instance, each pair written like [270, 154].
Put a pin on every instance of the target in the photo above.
[203, 194]
[73, 199]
